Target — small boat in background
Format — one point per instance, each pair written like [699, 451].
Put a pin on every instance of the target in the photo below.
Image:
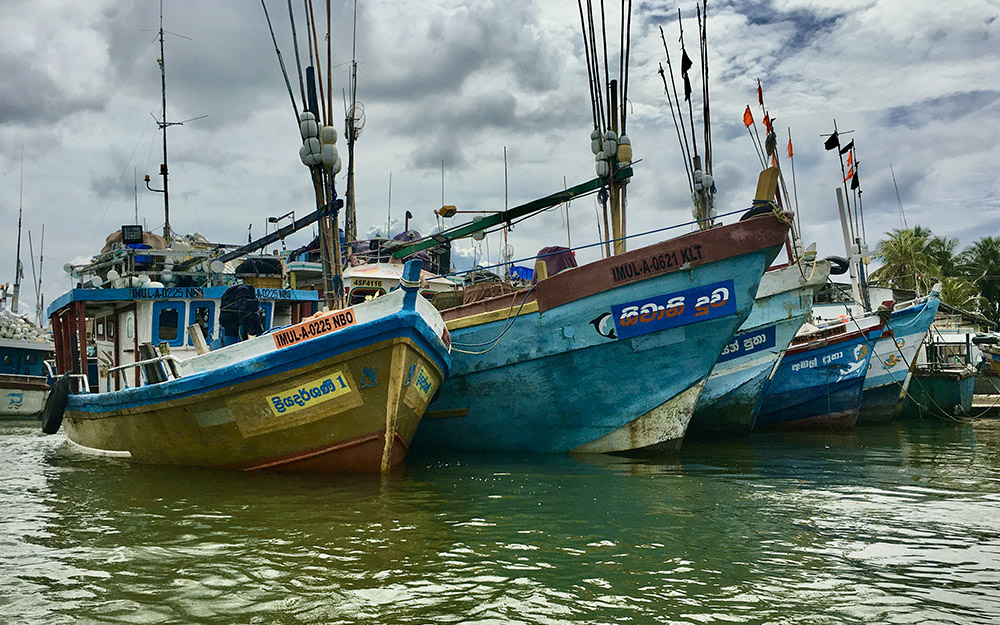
[783, 303]
[819, 381]
[940, 390]
[23, 376]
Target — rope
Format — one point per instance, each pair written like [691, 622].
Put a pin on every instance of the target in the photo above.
[493, 342]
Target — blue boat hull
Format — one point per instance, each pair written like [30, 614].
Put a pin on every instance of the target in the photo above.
[730, 397]
[817, 388]
[889, 372]
[568, 379]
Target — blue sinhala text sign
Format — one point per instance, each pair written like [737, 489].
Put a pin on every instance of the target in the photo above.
[748, 342]
[674, 309]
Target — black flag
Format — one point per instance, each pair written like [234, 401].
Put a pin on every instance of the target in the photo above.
[833, 142]
[687, 88]
[685, 62]
[854, 182]
[846, 148]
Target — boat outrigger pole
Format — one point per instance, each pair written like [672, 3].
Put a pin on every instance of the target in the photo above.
[459, 232]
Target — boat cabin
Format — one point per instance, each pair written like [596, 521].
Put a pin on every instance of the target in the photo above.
[115, 324]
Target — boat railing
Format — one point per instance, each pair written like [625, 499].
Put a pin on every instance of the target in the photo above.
[82, 383]
[170, 372]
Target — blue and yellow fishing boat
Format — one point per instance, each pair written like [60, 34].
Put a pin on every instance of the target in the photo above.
[335, 391]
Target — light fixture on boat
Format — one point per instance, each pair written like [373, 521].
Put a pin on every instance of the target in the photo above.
[446, 211]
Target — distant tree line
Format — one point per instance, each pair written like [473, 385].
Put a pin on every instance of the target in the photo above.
[915, 259]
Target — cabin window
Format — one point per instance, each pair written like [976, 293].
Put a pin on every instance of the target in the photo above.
[130, 327]
[168, 319]
[99, 328]
[7, 360]
[30, 358]
[362, 294]
[203, 314]
[110, 328]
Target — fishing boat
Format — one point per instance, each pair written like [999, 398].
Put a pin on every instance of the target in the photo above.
[23, 381]
[335, 391]
[606, 357]
[24, 347]
[184, 370]
[940, 390]
[819, 381]
[889, 373]
[784, 301]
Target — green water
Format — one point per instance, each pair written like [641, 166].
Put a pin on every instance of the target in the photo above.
[894, 524]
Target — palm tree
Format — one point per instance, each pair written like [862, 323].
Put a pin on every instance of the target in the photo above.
[905, 262]
[961, 293]
[981, 264]
[944, 253]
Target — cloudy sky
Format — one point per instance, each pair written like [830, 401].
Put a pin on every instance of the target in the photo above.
[458, 81]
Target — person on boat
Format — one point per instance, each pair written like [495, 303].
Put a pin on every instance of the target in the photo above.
[241, 316]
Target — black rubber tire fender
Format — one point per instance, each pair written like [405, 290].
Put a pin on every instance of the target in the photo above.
[55, 405]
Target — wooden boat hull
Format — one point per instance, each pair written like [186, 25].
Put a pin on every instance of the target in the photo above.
[329, 403]
[818, 387]
[22, 396]
[784, 300]
[889, 371]
[556, 371]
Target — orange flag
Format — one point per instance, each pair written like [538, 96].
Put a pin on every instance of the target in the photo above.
[790, 153]
[767, 123]
[850, 159]
[774, 160]
[747, 117]
[850, 174]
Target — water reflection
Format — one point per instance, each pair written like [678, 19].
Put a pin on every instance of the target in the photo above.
[884, 524]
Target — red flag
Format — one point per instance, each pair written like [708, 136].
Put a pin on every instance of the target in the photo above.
[774, 159]
[767, 123]
[747, 117]
[760, 93]
[850, 174]
[850, 159]
[790, 153]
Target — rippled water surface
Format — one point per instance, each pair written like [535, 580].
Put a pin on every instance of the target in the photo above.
[895, 524]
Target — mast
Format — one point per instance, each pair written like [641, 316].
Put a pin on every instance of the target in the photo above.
[350, 215]
[17, 268]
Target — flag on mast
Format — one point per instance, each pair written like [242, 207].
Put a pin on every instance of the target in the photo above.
[790, 153]
[832, 142]
[747, 117]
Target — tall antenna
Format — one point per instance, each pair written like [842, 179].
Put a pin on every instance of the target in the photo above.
[388, 213]
[37, 278]
[135, 191]
[163, 126]
[902, 214]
